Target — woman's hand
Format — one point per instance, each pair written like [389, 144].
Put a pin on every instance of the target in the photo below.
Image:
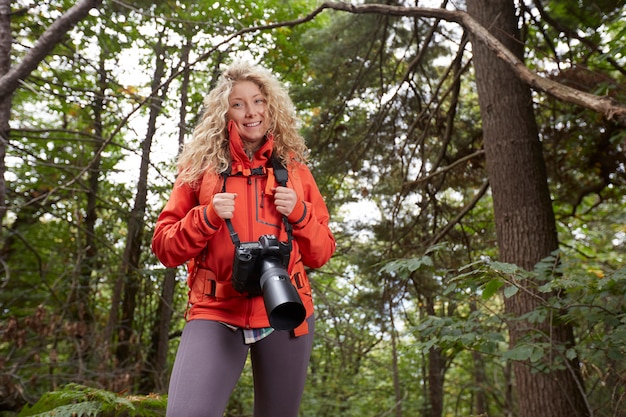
[224, 204]
[285, 200]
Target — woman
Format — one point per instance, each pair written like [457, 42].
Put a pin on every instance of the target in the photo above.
[226, 186]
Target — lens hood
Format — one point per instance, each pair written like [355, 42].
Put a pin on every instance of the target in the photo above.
[282, 302]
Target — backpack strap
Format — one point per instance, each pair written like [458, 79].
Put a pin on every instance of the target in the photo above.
[280, 172]
[281, 175]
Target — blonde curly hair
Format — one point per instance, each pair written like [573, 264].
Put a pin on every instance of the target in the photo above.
[209, 150]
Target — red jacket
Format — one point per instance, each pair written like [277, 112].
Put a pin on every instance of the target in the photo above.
[189, 230]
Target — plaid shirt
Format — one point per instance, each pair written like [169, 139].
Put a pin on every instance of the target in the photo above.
[251, 335]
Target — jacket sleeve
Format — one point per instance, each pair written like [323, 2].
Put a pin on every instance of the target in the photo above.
[183, 227]
[309, 220]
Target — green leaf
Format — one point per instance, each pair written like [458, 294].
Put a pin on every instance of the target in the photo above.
[416, 263]
[491, 288]
[519, 353]
[407, 264]
[505, 268]
[510, 291]
[537, 354]
[571, 354]
[449, 288]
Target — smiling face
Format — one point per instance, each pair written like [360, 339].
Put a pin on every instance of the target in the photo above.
[247, 108]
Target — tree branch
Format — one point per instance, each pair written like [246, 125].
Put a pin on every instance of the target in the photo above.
[44, 45]
[410, 184]
[606, 106]
[444, 231]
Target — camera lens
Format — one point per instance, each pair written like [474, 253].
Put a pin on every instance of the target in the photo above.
[282, 301]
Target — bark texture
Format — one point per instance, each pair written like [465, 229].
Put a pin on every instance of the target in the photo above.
[525, 223]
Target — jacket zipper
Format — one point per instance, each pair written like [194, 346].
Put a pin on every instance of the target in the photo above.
[252, 204]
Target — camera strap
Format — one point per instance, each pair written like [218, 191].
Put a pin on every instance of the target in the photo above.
[231, 230]
[281, 176]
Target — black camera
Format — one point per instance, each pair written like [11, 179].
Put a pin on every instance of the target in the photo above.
[259, 268]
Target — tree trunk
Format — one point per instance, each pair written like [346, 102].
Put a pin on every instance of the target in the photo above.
[525, 224]
[10, 76]
[6, 40]
[480, 379]
[397, 386]
[436, 371]
[153, 374]
[81, 313]
[130, 279]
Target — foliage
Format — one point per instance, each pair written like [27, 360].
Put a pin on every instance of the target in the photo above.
[75, 400]
[595, 304]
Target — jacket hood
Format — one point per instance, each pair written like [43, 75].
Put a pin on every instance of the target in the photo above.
[241, 162]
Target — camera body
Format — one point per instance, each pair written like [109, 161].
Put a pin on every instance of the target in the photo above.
[260, 268]
[253, 258]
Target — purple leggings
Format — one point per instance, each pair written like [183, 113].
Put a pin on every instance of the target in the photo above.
[210, 360]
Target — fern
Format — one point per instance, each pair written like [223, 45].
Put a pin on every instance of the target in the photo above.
[75, 400]
[83, 409]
